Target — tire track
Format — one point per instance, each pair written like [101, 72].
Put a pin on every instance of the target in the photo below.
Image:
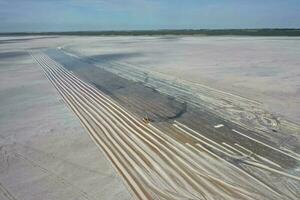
[153, 165]
[6, 193]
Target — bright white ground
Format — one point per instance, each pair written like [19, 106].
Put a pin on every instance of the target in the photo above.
[44, 151]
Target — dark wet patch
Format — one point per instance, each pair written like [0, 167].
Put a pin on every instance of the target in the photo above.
[203, 121]
[160, 108]
[104, 58]
[141, 100]
[12, 55]
[16, 40]
[179, 112]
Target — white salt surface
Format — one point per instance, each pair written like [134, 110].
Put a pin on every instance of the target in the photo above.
[44, 151]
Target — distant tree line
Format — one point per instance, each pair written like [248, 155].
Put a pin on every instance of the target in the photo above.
[205, 32]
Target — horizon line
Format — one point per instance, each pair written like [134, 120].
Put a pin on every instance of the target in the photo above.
[206, 31]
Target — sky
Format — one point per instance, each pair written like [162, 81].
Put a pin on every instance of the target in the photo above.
[92, 15]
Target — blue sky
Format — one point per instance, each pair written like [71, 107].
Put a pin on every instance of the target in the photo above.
[72, 15]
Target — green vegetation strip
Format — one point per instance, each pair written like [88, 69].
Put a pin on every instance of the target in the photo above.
[206, 32]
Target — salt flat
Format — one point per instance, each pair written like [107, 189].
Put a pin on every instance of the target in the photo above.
[265, 69]
[44, 151]
[219, 127]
